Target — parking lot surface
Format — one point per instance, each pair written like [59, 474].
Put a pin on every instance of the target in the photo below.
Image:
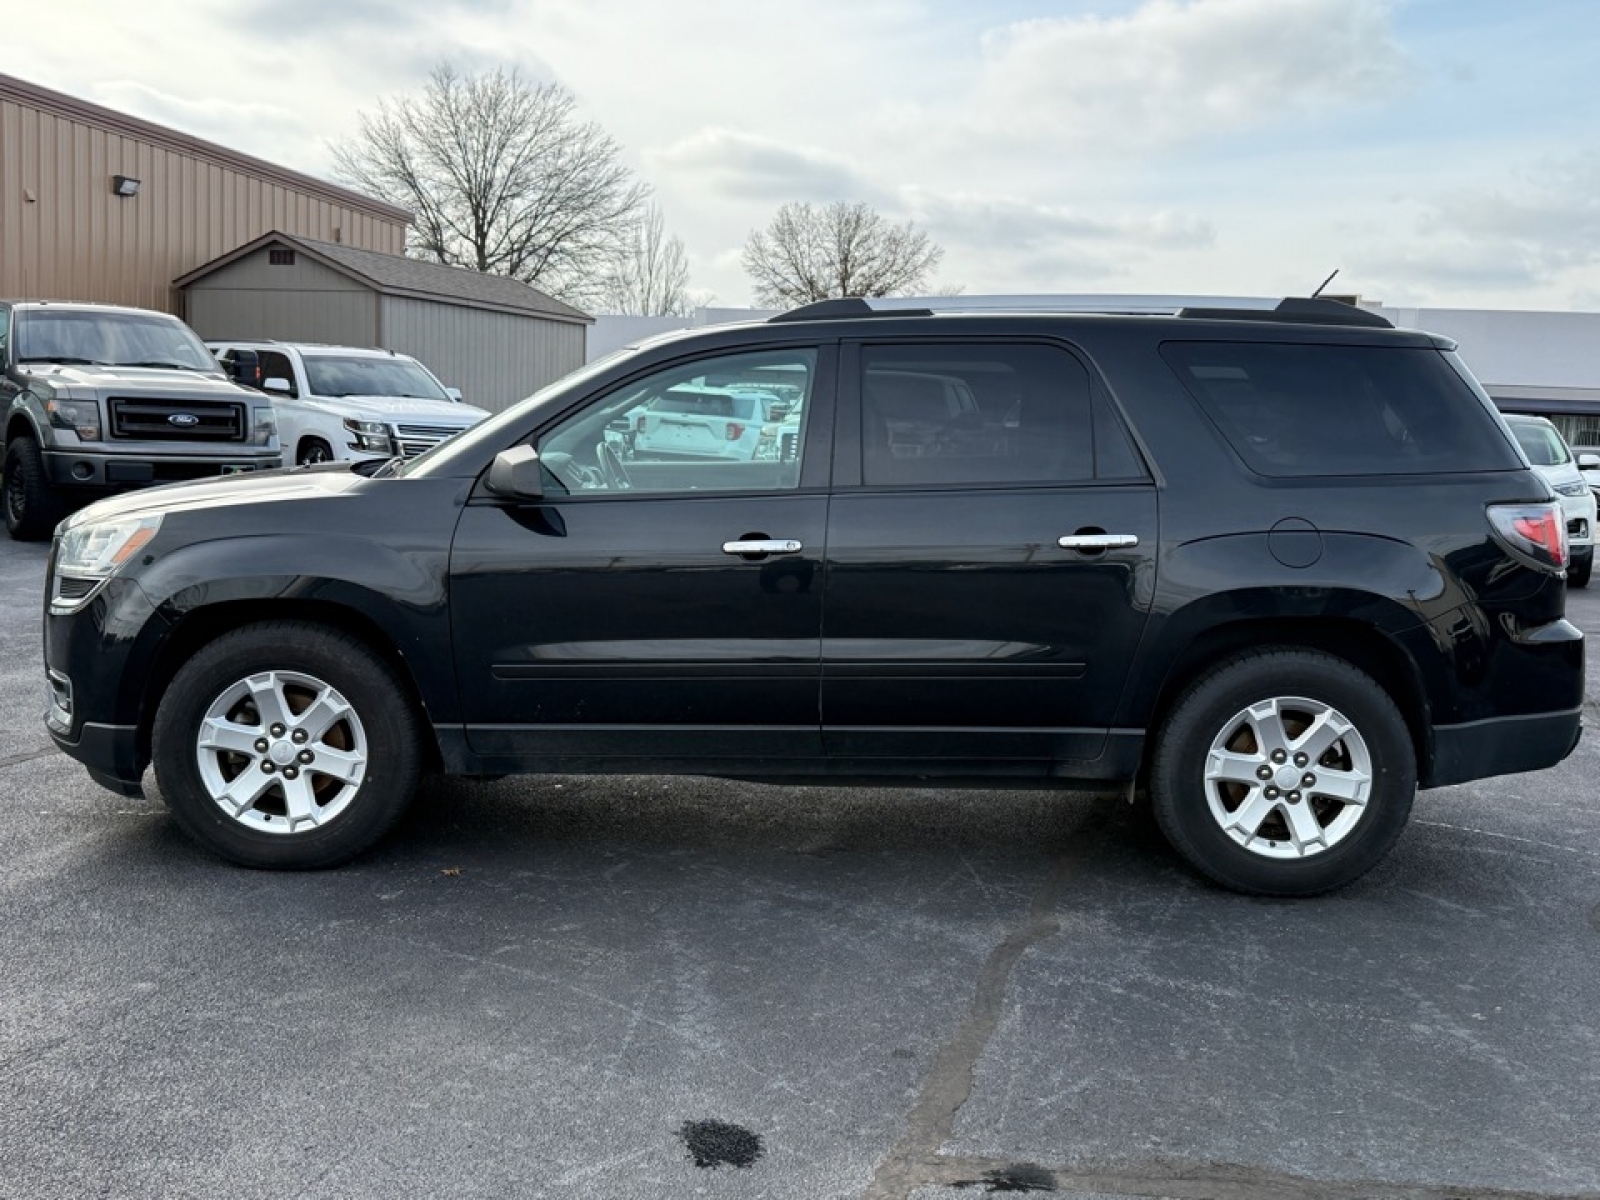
[644, 987]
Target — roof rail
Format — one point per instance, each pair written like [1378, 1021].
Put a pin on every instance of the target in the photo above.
[1237, 308]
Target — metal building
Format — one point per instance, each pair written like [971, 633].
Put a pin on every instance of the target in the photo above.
[96, 205]
[494, 338]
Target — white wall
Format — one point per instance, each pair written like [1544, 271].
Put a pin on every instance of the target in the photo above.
[1505, 347]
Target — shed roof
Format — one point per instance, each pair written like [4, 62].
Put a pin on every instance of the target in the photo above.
[395, 275]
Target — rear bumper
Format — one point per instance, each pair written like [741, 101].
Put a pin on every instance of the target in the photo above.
[1502, 746]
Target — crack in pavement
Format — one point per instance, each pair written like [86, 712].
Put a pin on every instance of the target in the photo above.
[949, 1082]
[27, 756]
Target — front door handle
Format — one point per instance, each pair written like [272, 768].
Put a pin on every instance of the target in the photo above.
[1099, 541]
[763, 546]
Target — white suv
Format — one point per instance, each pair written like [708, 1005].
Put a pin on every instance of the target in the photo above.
[343, 403]
[1553, 459]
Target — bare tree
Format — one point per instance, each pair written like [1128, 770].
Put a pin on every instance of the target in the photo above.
[650, 276]
[502, 177]
[841, 249]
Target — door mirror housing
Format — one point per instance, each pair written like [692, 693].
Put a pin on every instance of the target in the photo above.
[281, 386]
[515, 474]
[243, 366]
[454, 394]
[1589, 462]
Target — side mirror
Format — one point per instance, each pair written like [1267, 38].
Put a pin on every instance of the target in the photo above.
[515, 474]
[244, 366]
[281, 386]
[454, 394]
[1589, 462]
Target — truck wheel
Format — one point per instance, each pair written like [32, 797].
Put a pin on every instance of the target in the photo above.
[1578, 573]
[31, 504]
[313, 450]
[1283, 773]
[286, 745]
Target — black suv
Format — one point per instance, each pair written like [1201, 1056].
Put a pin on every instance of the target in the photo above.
[1282, 567]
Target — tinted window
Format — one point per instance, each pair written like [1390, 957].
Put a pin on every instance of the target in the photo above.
[335, 375]
[109, 337]
[1292, 410]
[978, 413]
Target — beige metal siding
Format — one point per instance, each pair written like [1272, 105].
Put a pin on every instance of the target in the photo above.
[64, 235]
[305, 302]
[494, 358]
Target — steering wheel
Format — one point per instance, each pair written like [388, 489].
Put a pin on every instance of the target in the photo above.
[611, 467]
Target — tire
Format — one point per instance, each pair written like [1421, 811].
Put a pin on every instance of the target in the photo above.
[31, 505]
[352, 711]
[313, 450]
[1578, 573]
[1284, 840]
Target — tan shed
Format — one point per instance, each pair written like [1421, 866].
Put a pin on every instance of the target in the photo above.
[494, 338]
[96, 205]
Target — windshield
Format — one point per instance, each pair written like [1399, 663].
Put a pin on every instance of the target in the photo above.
[110, 338]
[360, 375]
[442, 457]
[1541, 443]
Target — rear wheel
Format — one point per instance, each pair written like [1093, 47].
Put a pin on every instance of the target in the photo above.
[313, 450]
[1578, 573]
[286, 744]
[1284, 773]
[32, 506]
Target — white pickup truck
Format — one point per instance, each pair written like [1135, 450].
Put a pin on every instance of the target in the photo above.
[349, 404]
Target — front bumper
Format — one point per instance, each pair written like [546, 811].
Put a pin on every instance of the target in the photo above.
[79, 469]
[110, 752]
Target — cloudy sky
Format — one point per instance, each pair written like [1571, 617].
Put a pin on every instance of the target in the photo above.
[1437, 152]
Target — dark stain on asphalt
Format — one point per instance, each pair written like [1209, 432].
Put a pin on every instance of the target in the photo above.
[1594, 919]
[1022, 1177]
[716, 1144]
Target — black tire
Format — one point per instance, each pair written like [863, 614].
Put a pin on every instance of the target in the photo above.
[1578, 573]
[383, 730]
[1187, 803]
[313, 450]
[32, 506]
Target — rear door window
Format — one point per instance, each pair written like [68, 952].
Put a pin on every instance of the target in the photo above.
[1301, 409]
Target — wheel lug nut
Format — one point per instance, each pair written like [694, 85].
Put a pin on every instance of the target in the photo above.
[290, 773]
[261, 745]
[1278, 756]
[1300, 760]
[1261, 772]
[306, 756]
[1294, 797]
[268, 768]
[276, 731]
[299, 736]
[1272, 793]
[1309, 780]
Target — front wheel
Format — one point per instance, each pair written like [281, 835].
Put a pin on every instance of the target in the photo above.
[286, 744]
[32, 505]
[1283, 773]
[313, 450]
[1578, 573]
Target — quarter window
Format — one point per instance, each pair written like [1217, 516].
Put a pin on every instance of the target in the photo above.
[732, 423]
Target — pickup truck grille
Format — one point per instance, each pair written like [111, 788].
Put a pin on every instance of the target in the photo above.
[154, 420]
[414, 439]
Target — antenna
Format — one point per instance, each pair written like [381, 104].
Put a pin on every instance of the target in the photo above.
[1324, 284]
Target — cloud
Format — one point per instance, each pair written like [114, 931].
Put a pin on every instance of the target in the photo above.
[1531, 233]
[751, 167]
[1175, 71]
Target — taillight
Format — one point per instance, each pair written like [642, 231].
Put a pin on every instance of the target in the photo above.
[735, 431]
[1535, 531]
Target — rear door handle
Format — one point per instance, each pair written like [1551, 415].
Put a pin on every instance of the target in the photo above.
[764, 546]
[1098, 541]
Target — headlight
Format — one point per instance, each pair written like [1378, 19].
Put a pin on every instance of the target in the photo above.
[80, 416]
[266, 425]
[92, 553]
[372, 436]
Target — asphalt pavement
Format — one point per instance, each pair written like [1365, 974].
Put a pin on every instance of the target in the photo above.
[644, 987]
